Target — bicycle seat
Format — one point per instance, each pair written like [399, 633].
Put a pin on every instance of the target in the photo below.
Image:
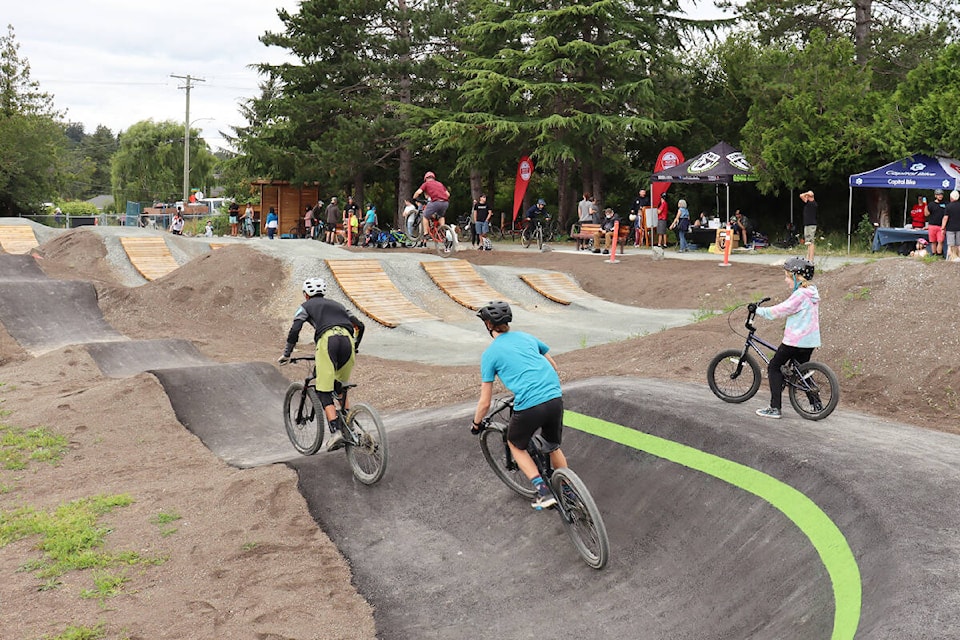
[542, 445]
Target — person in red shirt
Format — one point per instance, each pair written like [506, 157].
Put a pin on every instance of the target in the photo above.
[918, 214]
[439, 200]
[663, 215]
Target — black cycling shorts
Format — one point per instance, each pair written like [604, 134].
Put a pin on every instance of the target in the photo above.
[546, 416]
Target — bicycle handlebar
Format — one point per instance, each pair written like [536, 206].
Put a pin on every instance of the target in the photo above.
[751, 313]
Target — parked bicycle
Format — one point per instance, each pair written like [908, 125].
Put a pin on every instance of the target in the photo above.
[364, 436]
[734, 376]
[576, 506]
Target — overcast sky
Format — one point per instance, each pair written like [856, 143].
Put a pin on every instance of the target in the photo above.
[109, 62]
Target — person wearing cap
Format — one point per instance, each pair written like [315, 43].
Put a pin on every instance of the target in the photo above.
[809, 221]
[934, 215]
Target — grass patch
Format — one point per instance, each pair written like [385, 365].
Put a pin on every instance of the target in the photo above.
[19, 447]
[849, 369]
[249, 546]
[163, 521]
[863, 293]
[71, 536]
[106, 585]
[80, 633]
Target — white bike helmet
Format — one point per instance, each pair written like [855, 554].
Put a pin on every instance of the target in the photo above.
[314, 286]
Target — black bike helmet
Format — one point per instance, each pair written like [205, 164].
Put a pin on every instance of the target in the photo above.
[496, 311]
[799, 266]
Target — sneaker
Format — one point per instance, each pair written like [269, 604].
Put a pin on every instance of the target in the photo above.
[543, 502]
[337, 442]
[606, 251]
[769, 412]
[596, 250]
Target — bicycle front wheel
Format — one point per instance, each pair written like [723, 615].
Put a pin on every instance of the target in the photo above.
[582, 520]
[539, 234]
[368, 458]
[442, 239]
[304, 426]
[729, 380]
[818, 392]
[493, 444]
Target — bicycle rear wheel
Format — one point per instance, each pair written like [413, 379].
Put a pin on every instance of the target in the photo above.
[818, 392]
[493, 444]
[583, 522]
[368, 459]
[730, 381]
[306, 430]
[526, 238]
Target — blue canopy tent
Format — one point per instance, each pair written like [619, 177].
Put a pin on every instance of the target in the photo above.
[918, 171]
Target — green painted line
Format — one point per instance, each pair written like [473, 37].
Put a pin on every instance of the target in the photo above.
[823, 534]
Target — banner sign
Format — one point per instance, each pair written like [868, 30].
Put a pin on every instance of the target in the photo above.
[524, 173]
[669, 158]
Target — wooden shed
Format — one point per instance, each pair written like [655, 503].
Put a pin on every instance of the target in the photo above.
[289, 201]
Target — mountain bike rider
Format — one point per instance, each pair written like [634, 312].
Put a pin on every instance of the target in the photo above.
[533, 214]
[439, 200]
[527, 370]
[334, 328]
[802, 332]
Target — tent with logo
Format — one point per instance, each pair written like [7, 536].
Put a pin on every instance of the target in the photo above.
[917, 171]
[720, 164]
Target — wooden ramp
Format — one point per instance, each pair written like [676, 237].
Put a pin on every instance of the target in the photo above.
[459, 280]
[150, 256]
[17, 238]
[217, 245]
[368, 286]
[559, 287]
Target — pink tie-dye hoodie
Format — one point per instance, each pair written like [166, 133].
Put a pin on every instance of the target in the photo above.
[802, 311]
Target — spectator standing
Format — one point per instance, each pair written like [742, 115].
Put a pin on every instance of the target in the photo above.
[951, 226]
[272, 223]
[935, 213]
[918, 213]
[333, 219]
[663, 215]
[351, 214]
[233, 215]
[248, 221]
[681, 224]
[308, 222]
[583, 208]
[607, 231]
[809, 221]
[317, 218]
[208, 232]
[354, 227]
[369, 223]
[638, 209]
[482, 214]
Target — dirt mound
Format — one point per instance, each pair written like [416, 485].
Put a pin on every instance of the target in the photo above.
[78, 254]
[223, 300]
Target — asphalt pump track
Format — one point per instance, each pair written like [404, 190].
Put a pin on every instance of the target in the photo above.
[721, 524]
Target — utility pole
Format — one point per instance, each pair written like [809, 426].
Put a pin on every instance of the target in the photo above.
[186, 135]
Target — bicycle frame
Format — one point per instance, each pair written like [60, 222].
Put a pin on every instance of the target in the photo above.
[794, 379]
[537, 448]
[338, 396]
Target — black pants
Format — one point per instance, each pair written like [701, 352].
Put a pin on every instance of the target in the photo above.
[784, 353]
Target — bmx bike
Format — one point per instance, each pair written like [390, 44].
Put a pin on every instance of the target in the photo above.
[577, 509]
[364, 436]
[534, 234]
[734, 376]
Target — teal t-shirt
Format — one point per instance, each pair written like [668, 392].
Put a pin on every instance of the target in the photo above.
[517, 358]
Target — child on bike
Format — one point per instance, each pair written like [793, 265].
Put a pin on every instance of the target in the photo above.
[526, 369]
[802, 332]
[334, 328]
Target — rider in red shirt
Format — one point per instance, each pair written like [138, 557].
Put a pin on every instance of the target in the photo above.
[918, 214]
[439, 200]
